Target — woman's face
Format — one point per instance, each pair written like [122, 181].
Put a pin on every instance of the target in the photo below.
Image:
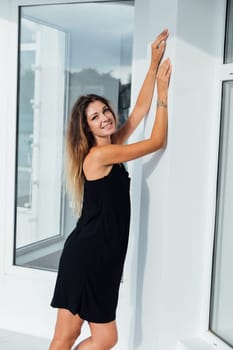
[101, 121]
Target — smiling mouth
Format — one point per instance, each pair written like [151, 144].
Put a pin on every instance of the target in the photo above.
[107, 124]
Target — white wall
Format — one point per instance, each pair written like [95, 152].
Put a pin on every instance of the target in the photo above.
[164, 297]
[178, 185]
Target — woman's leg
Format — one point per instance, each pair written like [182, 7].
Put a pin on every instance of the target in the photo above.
[67, 330]
[103, 337]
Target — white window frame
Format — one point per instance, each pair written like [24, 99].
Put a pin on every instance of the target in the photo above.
[224, 72]
[10, 144]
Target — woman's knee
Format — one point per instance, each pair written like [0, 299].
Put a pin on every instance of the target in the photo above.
[104, 343]
[68, 338]
[104, 336]
[111, 341]
[67, 330]
[61, 344]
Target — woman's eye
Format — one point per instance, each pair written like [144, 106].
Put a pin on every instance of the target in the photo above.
[106, 110]
[94, 117]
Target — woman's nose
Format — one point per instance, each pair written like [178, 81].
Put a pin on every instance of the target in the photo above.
[103, 117]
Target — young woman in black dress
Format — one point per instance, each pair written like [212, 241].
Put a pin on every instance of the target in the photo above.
[93, 257]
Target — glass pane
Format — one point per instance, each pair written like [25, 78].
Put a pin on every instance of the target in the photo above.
[64, 51]
[25, 127]
[24, 187]
[221, 317]
[228, 53]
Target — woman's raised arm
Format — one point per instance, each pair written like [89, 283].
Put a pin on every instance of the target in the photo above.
[144, 99]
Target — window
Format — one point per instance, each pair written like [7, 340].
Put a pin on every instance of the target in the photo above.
[228, 52]
[221, 310]
[65, 50]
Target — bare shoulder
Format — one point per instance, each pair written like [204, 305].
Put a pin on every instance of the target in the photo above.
[93, 168]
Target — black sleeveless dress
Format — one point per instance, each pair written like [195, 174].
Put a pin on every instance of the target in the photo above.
[92, 260]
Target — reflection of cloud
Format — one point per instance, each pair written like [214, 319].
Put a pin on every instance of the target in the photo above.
[122, 73]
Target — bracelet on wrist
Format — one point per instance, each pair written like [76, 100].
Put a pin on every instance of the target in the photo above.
[161, 103]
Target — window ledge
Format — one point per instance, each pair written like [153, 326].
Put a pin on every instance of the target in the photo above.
[207, 341]
[194, 344]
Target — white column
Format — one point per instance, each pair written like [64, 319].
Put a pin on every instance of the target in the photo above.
[175, 235]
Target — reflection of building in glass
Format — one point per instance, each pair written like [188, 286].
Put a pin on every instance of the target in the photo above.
[91, 81]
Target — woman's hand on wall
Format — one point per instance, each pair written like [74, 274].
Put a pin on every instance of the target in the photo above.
[158, 48]
[163, 78]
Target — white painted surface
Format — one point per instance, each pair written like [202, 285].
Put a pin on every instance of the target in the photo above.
[165, 294]
[178, 185]
[12, 340]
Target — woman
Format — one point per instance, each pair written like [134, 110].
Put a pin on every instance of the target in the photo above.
[92, 261]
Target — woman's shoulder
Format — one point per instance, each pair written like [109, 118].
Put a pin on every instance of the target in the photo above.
[96, 154]
[92, 165]
[92, 155]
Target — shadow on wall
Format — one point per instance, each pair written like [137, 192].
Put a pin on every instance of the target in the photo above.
[148, 168]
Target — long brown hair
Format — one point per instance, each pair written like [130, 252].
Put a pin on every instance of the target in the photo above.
[79, 140]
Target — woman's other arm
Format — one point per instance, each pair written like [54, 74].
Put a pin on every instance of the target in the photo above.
[145, 96]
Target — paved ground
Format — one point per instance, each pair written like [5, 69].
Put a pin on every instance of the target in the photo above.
[16, 341]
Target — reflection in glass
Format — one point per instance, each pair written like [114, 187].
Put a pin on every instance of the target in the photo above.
[221, 316]
[228, 53]
[25, 126]
[65, 50]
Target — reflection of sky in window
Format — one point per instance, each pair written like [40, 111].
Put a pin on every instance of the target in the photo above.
[101, 33]
[27, 32]
[27, 59]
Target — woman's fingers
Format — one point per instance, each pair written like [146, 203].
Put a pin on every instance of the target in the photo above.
[165, 68]
[161, 38]
[163, 75]
[169, 71]
[158, 48]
